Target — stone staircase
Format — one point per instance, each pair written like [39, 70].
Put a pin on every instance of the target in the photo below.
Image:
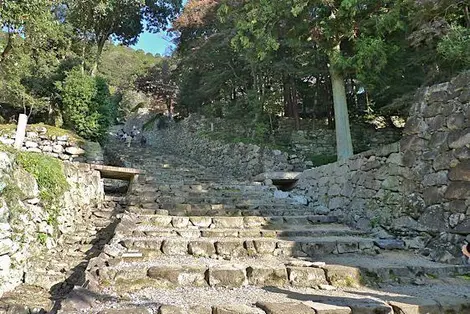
[192, 241]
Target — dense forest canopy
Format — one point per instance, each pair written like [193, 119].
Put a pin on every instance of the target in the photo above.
[343, 61]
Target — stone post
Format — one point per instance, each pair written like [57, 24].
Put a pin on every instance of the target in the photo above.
[21, 130]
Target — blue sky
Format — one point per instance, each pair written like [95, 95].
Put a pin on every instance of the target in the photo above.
[155, 43]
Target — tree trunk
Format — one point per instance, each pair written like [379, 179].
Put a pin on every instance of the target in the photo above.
[101, 43]
[7, 49]
[344, 146]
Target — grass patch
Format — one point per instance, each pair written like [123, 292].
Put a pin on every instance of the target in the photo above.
[50, 176]
[464, 276]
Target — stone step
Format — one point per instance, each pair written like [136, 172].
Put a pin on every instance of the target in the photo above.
[166, 272]
[239, 202]
[227, 247]
[245, 222]
[196, 232]
[442, 298]
[217, 210]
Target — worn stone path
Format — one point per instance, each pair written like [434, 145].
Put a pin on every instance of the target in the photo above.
[193, 241]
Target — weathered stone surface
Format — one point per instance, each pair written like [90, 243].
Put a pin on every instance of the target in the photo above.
[390, 244]
[458, 190]
[228, 277]
[161, 221]
[306, 276]
[178, 275]
[236, 309]
[459, 139]
[265, 246]
[283, 308]
[461, 172]
[26, 183]
[343, 276]
[133, 310]
[325, 308]
[433, 218]
[370, 306]
[202, 222]
[72, 150]
[228, 222]
[170, 309]
[230, 248]
[266, 275]
[175, 247]
[201, 248]
[180, 222]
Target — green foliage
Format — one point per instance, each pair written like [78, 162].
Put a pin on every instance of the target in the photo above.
[87, 104]
[50, 176]
[455, 46]
[42, 238]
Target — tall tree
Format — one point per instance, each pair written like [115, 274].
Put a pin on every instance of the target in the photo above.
[333, 28]
[122, 20]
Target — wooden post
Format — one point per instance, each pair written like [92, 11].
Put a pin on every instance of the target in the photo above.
[212, 127]
[21, 130]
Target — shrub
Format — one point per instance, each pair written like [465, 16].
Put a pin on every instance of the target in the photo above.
[87, 105]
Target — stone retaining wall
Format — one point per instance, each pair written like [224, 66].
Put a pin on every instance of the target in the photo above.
[418, 189]
[64, 147]
[237, 159]
[27, 232]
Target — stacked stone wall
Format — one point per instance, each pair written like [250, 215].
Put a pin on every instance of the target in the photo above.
[417, 189]
[28, 233]
[237, 159]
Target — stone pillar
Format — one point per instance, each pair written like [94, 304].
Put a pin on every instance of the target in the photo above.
[21, 130]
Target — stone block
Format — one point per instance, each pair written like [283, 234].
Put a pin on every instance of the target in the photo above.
[201, 248]
[347, 247]
[230, 248]
[390, 244]
[283, 308]
[343, 276]
[228, 222]
[174, 276]
[461, 172]
[236, 309]
[458, 190]
[26, 183]
[161, 221]
[201, 222]
[131, 310]
[433, 219]
[227, 277]
[459, 138]
[267, 275]
[326, 308]
[72, 150]
[435, 179]
[253, 221]
[180, 222]
[415, 306]
[175, 247]
[306, 276]
[319, 248]
[462, 153]
[264, 247]
[370, 306]
[199, 309]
